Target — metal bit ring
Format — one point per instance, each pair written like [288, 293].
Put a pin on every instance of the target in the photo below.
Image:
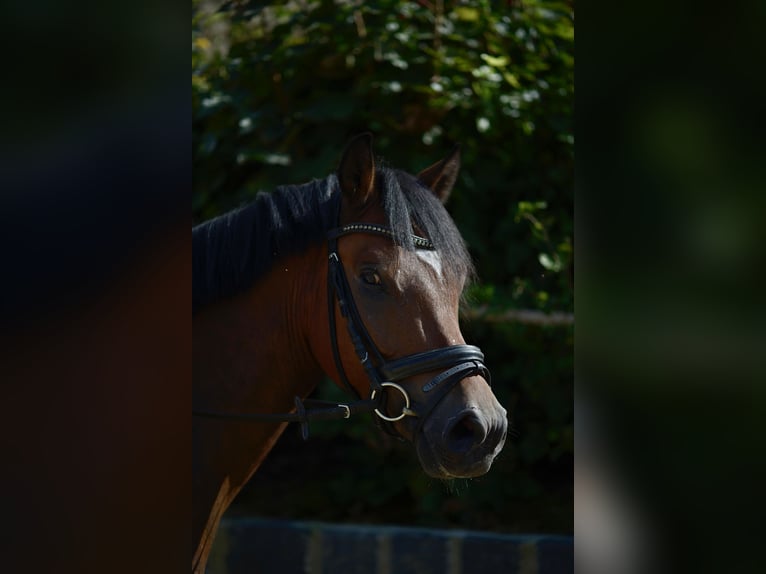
[405, 410]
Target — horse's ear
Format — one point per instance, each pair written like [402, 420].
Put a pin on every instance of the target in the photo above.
[441, 176]
[356, 173]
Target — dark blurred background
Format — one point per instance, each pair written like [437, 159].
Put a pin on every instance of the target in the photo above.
[95, 330]
[671, 344]
[279, 88]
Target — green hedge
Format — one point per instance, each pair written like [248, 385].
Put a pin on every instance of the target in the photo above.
[278, 90]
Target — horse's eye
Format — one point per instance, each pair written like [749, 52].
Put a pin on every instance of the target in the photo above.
[372, 278]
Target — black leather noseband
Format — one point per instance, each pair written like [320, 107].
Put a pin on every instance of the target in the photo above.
[455, 362]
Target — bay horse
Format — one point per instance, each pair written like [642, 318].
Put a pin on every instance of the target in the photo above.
[369, 247]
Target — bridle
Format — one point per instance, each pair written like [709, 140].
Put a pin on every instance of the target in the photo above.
[457, 361]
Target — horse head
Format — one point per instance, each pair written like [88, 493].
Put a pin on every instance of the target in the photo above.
[403, 267]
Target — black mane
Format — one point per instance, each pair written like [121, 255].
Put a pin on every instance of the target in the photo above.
[231, 252]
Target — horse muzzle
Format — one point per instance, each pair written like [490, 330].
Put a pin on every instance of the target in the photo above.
[464, 444]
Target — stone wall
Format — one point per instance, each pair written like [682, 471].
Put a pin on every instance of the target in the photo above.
[250, 545]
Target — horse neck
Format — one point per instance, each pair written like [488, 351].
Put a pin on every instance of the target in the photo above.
[251, 354]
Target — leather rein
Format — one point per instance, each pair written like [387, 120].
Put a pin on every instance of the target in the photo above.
[457, 361]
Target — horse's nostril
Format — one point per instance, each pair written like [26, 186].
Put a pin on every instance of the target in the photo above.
[466, 432]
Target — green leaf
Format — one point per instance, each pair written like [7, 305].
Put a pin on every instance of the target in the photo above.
[495, 61]
[466, 14]
[551, 264]
[248, 156]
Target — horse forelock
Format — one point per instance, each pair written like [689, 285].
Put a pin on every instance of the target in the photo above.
[410, 207]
